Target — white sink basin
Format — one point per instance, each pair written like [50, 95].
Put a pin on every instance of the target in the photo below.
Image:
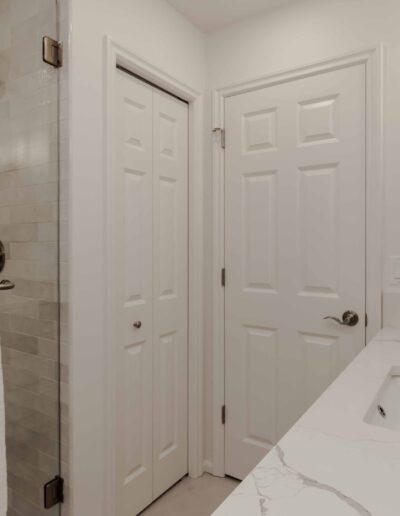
[385, 410]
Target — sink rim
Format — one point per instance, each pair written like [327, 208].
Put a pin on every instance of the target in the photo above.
[394, 371]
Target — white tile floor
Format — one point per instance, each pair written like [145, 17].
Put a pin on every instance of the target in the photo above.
[192, 497]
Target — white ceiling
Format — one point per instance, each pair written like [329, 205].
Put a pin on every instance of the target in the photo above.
[209, 15]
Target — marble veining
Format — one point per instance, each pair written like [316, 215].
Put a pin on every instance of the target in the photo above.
[309, 482]
[332, 462]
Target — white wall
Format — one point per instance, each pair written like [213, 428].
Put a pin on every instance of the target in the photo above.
[299, 33]
[156, 32]
[295, 35]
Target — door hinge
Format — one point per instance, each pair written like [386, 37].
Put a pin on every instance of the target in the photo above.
[223, 277]
[53, 492]
[222, 135]
[223, 414]
[52, 52]
[366, 320]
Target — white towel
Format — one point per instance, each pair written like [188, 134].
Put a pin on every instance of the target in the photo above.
[3, 464]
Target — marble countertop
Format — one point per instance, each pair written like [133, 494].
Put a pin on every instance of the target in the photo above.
[331, 462]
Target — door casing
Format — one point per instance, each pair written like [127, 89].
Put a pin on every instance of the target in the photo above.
[373, 60]
[118, 54]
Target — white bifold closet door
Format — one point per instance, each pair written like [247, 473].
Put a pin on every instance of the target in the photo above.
[295, 252]
[150, 237]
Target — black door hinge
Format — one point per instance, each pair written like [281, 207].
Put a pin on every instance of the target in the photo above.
[223, 138]
[52, 52]
[223, 277]
[366, 320]
[53, 492]
[223, 414]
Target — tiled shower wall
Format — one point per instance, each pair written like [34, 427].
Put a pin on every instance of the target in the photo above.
[29, 228]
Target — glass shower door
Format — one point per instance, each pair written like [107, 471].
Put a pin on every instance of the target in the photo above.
[29, 231]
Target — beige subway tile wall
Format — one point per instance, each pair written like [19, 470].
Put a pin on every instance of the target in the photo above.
[29, 228]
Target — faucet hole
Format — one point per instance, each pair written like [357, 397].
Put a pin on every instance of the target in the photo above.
[381, 411]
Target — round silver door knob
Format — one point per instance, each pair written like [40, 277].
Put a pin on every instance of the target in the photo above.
[137, 324]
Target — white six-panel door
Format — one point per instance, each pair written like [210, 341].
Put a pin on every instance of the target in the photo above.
[295, 251]
[149, 195]
[170, 272]
[133, 227]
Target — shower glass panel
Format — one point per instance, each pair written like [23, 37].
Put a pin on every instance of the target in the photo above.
[29, 229]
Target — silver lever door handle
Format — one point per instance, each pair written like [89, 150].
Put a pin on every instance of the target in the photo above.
[6, 284]
[349, 318]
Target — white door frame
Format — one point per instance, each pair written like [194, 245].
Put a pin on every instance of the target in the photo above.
[373, 59]
[116, 53]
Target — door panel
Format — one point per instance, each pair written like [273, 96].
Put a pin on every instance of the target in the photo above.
[295, 251]
[170, 158]
[260, 385]
[134, 285]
